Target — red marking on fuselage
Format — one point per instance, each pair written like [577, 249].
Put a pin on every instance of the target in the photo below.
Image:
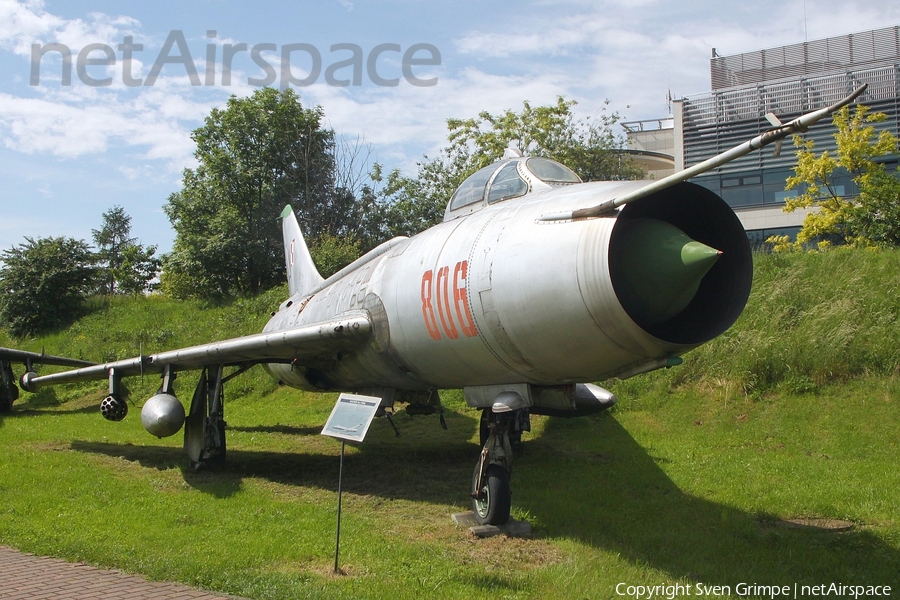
[438, 288]
[427, 308]
[461, 299]
[443, 302]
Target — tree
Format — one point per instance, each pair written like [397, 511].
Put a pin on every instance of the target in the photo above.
[870, 219]
[332, 253]
[137, 269]
[127, 266]
[110, 240]
[255, 156]
[878, 217]
[43, 284]
[590, 147]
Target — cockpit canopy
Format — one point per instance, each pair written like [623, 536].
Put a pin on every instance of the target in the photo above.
[507, 179]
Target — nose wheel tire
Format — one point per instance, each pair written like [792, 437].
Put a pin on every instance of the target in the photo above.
[492, 503]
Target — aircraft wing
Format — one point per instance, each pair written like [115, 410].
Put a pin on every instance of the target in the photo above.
[304, 343]
[31, 358]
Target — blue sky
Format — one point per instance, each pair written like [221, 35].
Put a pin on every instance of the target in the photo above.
[69, 153]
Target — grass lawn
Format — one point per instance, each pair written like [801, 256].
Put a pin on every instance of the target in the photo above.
[686, 487]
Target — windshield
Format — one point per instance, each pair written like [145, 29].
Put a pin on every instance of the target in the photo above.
[472, 189]
[551, 171]
[507, 184]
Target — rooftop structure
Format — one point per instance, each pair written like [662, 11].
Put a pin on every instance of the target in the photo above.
[651, 144]
[786, 81]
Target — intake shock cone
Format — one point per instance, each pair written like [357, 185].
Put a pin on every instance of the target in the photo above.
[658, 270]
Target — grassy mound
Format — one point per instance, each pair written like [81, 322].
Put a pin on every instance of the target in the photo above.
[812, 319]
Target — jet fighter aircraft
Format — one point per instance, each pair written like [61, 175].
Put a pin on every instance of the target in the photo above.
[533, 286]
[9, 393]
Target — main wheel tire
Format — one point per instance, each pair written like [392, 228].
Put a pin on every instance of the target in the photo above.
[7, 397]
[494, 500]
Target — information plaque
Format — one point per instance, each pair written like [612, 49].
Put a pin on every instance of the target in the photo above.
[351, 416]
[349, 421]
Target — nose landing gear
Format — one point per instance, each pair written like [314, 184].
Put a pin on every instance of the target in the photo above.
[491, 493]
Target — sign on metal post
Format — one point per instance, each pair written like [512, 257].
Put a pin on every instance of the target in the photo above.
[350, 419]
[351, 416]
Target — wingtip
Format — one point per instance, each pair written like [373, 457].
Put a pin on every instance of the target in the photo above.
[287, 210]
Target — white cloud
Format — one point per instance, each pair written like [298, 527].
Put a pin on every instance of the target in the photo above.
[560, 36]
[78, 120]
[633, 53]
[25, 23]
[154, 121]
[21, 23]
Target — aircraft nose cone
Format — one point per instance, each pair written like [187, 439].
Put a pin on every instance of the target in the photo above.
[657, 269]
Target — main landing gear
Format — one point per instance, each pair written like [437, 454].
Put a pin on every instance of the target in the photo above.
[501, 426]
[204, 427]
[163, 415]
[8, 390]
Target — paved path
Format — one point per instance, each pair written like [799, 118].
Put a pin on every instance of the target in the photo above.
[29, 577]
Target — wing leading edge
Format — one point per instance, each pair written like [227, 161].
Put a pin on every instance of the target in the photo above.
[30, 358]
[303, 343]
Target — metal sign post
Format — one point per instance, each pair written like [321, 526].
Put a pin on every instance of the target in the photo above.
[350, 419]
[337, 537]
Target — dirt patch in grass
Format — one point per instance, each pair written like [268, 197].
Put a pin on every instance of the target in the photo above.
[811, 524]
[54, 446]
[498, 553]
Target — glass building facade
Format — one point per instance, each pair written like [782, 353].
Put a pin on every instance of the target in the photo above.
[787, 81]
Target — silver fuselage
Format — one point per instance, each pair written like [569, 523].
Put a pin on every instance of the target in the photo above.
[500, 297]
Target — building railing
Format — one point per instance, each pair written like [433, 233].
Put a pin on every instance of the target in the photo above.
[649, 125]
[848, 52]
[792, 97]
[717, 121]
